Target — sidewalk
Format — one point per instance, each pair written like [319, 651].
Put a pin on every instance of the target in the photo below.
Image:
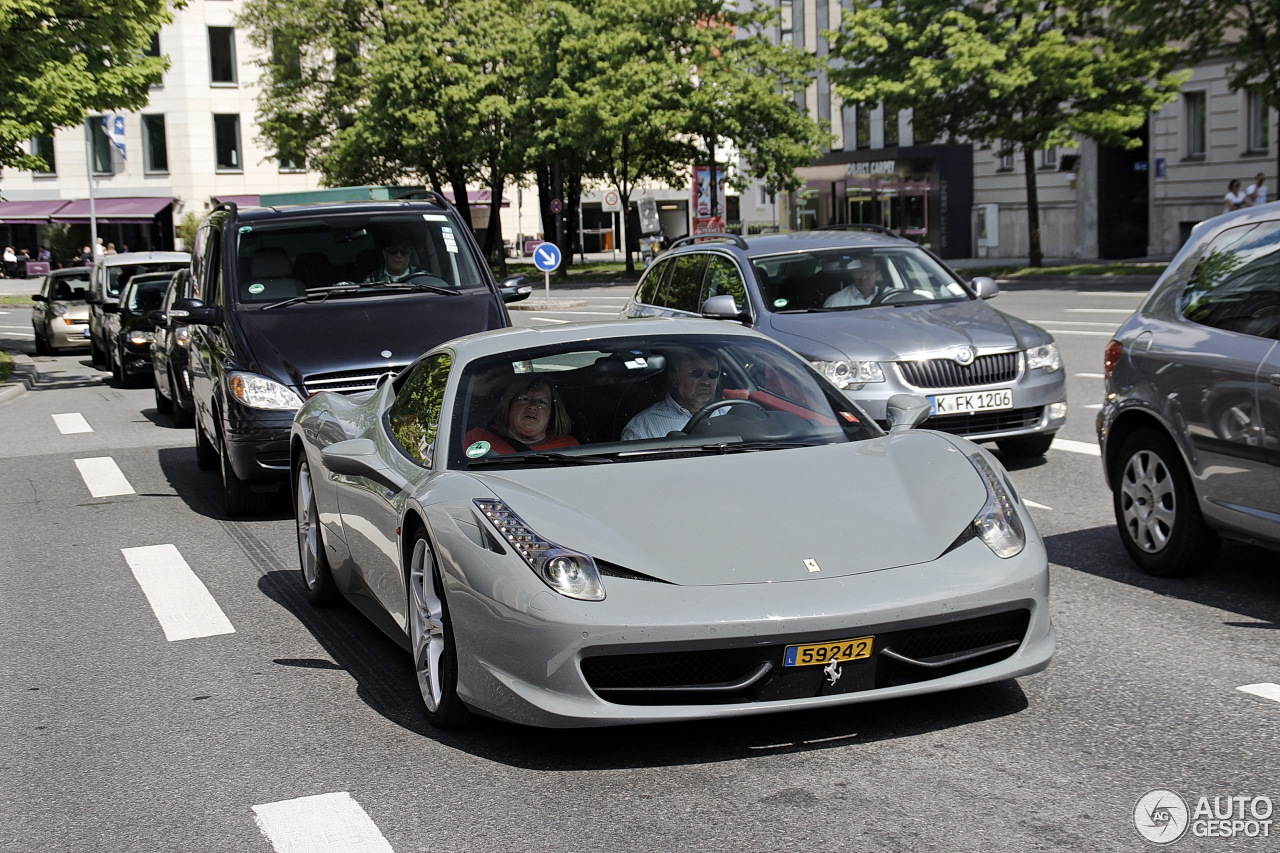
[21, 380]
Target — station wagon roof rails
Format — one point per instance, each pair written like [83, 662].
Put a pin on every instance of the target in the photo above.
[714, 235]
[857, 226]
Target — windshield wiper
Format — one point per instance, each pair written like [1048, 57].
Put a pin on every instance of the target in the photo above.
[561, 458]
[418, 285]
[319, 294]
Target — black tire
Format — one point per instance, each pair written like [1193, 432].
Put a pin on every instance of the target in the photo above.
[1025, 446]
[117, 370]
[183, 415]
[42, 345]
[435, 655]
[238, 497]
[163, 404]
[96, 355]
[312, 559]
[1156, 508]
[206, 454]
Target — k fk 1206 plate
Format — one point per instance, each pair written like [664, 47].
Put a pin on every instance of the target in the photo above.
[974, 401]
[813, 654]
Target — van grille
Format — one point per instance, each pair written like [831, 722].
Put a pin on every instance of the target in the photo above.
[349, 381]
[946, 373]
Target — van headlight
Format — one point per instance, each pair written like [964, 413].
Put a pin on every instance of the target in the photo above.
[850, 374]
[259, 392]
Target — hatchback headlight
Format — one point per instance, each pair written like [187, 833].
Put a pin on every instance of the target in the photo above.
[59, 309]
[1044, 357]
[850, 374]
[569, 573]
[259, 392]
[998, 523]
[138, 337]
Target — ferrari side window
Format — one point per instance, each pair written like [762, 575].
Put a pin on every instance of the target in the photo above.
[414, 417]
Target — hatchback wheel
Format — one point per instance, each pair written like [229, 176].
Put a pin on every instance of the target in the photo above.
[96, 355]
[435, 657]
[1156, 509]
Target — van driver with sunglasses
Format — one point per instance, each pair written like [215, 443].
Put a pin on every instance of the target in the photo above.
[397, 252]
[692, 378]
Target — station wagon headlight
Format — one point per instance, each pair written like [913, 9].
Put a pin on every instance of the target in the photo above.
[567, 572]
[850, 374]
[1044, 357]
[259, 392]
[998, 523]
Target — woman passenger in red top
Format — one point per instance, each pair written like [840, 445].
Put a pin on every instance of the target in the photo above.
[530, 416]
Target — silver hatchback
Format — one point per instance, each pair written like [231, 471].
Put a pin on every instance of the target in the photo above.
[1190, 426]
[878, 315]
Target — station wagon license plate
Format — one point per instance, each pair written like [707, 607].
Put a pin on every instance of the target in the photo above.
[976, 401]
[813, 654]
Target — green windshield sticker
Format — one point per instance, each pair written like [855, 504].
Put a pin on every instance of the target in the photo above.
[475, 451]
[257, 288]
[779, 303]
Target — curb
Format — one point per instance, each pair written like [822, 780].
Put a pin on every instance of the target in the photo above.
[23, 378]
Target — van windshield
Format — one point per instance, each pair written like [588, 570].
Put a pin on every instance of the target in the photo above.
[284, 260]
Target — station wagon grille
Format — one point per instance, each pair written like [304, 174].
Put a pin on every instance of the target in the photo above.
[349, 381]
[946, 373]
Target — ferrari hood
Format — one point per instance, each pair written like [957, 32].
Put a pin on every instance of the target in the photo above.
[895, 333]
[760, 517]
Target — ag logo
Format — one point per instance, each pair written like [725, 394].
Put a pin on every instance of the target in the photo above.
[1161, 816]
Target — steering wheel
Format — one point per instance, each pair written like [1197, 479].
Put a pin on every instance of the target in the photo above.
[889, 297]
[429, 279]
[715, 405]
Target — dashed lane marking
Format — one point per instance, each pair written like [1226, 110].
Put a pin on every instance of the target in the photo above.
[325, 823]
[1089, 376]
[1070, 446]
[180, 600]
[103, 477]
[1265, 690]
[1079, 332]
[1035, 505]
[71, 422]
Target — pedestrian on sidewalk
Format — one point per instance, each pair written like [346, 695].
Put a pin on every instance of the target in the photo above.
[1256, 192]
[1235, 198]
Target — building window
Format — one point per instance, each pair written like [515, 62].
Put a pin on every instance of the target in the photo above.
[42, 147]
[1005, 154]
[101, 145]
[288, 164]
[1194, 104]
[1049, 158]
[786, 34]
[862, 135]
[890, 128]
[155, 145]
[222, 55]
[226, 142]
[1259, 120]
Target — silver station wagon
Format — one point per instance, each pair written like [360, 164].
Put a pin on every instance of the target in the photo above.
[878, 315]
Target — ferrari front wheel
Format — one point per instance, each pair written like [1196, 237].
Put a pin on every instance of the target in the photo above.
[435, 657]
[311, 555]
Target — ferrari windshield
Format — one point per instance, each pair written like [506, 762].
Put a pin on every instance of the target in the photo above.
[628, 399]
[845, 278]
[349, 256]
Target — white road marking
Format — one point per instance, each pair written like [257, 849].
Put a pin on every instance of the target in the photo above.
[103, 477]
[1035, 505]
[1093, 406]
[1265, 690]
[1089, 375]
[1079, 332]
[181, 602]
[1074, 323]
[548, 320]
[71, 422]
[586, 313]
[1085, 447]
[325, 823]
[1124, 311]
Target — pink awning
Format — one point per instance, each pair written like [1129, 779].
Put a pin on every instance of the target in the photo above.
[117, 210]
[34, 212]
[240, 200]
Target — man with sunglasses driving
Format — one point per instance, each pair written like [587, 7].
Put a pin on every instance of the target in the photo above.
[692, 378]
[397, 252]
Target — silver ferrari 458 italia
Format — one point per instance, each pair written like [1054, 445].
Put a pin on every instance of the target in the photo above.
[649, 520]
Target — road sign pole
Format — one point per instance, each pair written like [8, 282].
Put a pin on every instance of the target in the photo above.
[546, 284]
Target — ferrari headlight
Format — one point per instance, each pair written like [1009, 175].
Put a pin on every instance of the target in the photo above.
[567, 572]
[1044, 357]
[138, 338]
[998, 523]
[850, 374]
[259, 392]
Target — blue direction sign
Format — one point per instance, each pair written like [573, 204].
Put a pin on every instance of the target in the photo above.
[546, 256]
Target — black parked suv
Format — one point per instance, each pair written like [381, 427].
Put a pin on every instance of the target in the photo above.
[287, 301]
[169, 356]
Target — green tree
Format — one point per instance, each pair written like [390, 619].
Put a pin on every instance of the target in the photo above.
[1017, 76]
[60, 59]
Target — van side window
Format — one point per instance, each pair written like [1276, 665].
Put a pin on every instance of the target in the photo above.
[414, 417]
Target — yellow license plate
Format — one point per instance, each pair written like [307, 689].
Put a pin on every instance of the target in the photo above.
[812, 654]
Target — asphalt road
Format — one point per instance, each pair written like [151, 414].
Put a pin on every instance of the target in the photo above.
[293, 729]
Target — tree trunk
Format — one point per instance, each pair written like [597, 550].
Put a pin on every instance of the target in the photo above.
[1033, 210]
